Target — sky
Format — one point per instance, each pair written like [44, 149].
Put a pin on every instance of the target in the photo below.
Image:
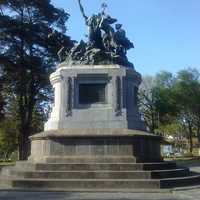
[166, 33]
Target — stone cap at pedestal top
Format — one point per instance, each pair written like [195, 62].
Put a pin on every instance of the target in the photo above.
[65, 65]
[90, 132]
[94, 69]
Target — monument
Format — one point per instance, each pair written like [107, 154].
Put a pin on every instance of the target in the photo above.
[94, 138]
[95, 113]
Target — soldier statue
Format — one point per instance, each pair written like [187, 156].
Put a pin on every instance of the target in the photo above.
[105, 45]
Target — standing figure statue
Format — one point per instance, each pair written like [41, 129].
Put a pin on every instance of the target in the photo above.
[106, 22]
[106, 27]
[122, 42]
[93, 23]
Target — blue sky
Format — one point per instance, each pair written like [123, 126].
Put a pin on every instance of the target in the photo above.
[166, 33]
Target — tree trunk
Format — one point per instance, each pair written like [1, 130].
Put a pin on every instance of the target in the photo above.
[24, 131]
[152, 128]
[198, 135]
[198, 130]
[24, 145]
[190, 137]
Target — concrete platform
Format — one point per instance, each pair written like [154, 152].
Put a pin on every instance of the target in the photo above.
[96, 176]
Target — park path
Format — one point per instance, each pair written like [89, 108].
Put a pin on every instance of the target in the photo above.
[178, 195]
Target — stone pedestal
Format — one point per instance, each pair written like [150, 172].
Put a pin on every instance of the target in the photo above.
[95, 145]
[95, 118]
[115, 108]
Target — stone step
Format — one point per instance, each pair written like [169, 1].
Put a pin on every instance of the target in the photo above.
[178, 172]
[5, 182]
[99, 159]
[95, 166]
[105, 184]
[97, 185]
[92, 184]
[192, 179]
[82, 174]
[159, 166]
[99, 174]
[85, 184]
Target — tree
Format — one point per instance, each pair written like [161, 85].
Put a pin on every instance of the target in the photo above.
[164, 79]
[175, 130]
[27, 55]
[156, 102]
[1, 101]
[165, 104]
[147, 103]
[8, 138]
[171, 104]
[187, 94]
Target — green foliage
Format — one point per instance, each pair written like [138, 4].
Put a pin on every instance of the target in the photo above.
[27, 57]
[164, 79]
[2, 103]
[171, 104]
[187, 94]
[8, 139]
[156, 102]
[147, 103]
[170, 129]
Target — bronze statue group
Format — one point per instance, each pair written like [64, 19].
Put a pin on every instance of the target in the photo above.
[105, 45]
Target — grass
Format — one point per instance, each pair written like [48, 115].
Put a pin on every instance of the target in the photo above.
[3, 163]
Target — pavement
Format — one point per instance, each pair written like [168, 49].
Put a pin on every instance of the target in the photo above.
[192, 193]
[178, 195]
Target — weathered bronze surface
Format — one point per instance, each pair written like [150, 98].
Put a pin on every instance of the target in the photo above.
[105, 45]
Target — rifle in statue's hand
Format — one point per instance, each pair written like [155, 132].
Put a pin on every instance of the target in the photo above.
[82, 11]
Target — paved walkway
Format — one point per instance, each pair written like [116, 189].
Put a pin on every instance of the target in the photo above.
[180, 195]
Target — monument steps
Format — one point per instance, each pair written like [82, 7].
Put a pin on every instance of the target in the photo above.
[104, 184]
[96, 166]
[83, 174]
[85, 183]
[171, 173]
[91, 176]
[100, 174]
[99, 159]
[192, 179]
